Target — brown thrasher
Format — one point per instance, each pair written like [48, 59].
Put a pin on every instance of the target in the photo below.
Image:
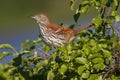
[53, 34]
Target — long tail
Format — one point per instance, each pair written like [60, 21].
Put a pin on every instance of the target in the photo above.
[82, 28]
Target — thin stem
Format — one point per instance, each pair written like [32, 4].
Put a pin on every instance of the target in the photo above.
[117, 5]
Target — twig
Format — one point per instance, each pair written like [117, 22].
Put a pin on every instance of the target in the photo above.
[117, 5]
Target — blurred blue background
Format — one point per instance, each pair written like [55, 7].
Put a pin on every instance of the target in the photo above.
[16, 24]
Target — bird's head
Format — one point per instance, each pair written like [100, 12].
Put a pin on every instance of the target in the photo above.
[41, 18]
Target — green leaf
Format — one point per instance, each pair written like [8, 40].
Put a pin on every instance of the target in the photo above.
[99, 66]
[50, 75]
[85, 74]
[92, 42]
[37, 40]
[81, 60]
[107, 53]
[97, 21]
[41, 65]
[4, 54]
[84, 9]
[81, 69]
[6, 46]
[114, 13]
[63, 69]
[85, 2]
[63, 49]
[97, 60]
[76, 17]
[91, 56]
[117, 18]
[115, 2]
[24, 44]
[72, 2]
[17, 60]
[74, 78]
[94, 77]
[47, 49]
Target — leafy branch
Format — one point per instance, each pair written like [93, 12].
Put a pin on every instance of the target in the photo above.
[94, 53]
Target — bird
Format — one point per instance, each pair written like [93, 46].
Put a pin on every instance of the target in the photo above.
[53, 34]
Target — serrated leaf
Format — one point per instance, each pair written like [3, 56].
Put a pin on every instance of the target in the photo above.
[81, 60]
[4, 54]
[50, 75]
[81, 69]
[63, 69]
[6, 46]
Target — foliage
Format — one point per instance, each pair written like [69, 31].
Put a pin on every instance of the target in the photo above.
[93, 55]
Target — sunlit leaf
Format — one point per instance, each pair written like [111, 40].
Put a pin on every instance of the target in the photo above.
[115, 2]
[72, 2]
[25, 44]
[107, 53]
[50, 75]
[40, 65]
[85, 74]
[63, 69]
[97, 60]
[84, 9]
[81, 69]
[99, 66]
[74, 78]
[117, 18]
[4, 54]
[37, 40]
[81, 60]
[94, 77]
[91, 56]
[97, 21]
[114, 13]
[47, 49]
[85, 2]
[6, 46]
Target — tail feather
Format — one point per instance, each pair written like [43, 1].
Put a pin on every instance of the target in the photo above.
[82, 28]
